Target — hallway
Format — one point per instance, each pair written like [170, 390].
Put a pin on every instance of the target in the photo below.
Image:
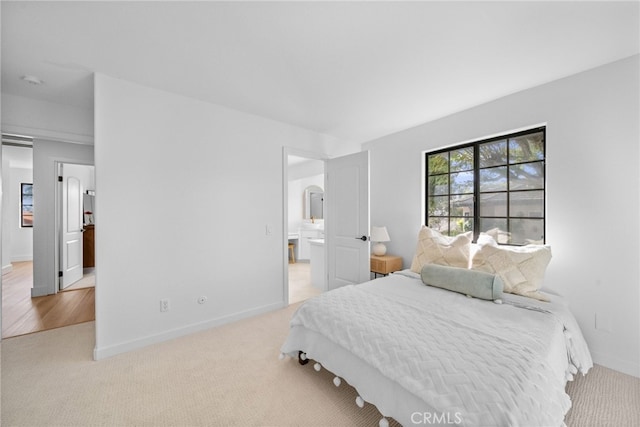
[22, 314]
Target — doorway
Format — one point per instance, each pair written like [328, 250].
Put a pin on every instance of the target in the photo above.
[25, 307]
[304, 182]
[21, 312]
[76, 227]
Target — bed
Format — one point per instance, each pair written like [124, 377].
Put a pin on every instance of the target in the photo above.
[424, 355]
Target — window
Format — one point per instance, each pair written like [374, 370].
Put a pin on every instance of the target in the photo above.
[26, 205]
[496, 186]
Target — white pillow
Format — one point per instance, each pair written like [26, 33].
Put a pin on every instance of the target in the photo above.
[521, 268]
[435, 248]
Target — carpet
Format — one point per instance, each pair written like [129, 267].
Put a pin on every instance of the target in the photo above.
[225, 376]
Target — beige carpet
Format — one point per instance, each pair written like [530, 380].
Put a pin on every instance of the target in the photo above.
[227, 376]
[604, 398]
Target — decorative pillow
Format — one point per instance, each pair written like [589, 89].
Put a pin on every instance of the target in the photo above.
[521, 268]
[469, 282]
[498, 235]
[435, 248]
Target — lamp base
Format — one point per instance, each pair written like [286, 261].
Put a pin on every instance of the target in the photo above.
[379, 249]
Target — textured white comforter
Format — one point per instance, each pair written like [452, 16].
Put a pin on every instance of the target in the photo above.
[481, 363]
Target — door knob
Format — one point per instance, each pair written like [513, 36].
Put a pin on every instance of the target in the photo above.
[363, 238]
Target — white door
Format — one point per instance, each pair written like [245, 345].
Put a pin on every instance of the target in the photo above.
[72, 225]
[347, 222]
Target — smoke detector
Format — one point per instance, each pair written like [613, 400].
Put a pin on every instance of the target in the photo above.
[32, 80]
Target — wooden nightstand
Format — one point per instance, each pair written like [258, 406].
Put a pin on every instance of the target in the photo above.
[385, 264]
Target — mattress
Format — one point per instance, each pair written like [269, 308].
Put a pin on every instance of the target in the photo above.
[418, 352]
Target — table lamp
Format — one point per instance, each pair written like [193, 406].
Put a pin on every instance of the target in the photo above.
[379, 235]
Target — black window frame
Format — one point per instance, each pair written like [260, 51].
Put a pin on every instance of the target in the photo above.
[476, 217]
[23, 204]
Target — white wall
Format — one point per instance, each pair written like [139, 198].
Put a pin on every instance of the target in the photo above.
[6, 223]
[592, 123]
[46, 120]
[21, 248]
[185, 190]
[17, 242]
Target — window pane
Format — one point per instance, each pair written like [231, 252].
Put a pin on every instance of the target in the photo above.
[462, 182]
[493, 204]
[493, 154]
[526, 148]
[27, 216]
[438, 185]
[526, 231]
[462, 159]
[496, 186]
[493, 179]
[439, 206]
[438, 163]
[496, 228]
[26, 205]
[460, 225]
[462, 205]
[440, 224]
[526, 204]
[526, 176]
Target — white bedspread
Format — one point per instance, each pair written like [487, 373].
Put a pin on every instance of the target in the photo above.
[484, 364]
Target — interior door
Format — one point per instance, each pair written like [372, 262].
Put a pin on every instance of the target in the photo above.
[347, 224]
[72, 225]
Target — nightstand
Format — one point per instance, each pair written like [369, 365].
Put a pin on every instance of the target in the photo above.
[385, 264]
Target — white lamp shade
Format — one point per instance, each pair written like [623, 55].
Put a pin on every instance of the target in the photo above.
[379, 234]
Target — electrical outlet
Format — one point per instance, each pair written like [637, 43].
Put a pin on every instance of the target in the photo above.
[202, 300]
[164, 304]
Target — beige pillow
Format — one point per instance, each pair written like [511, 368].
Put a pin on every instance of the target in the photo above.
[435, 248]
[521, 268]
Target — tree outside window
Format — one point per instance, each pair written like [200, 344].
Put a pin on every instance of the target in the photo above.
[26, 205]
[495, 186]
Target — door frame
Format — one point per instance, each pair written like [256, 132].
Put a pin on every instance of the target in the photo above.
[58, 217]
[286, 152]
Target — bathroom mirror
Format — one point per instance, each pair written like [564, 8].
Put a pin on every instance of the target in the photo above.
[313, 202]
[88, 207]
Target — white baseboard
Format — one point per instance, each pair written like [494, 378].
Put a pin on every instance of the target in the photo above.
[112, 350]
[6, 268]
[9, 267]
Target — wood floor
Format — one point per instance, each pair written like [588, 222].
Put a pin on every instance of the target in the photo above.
[22, 314]
[300, 287]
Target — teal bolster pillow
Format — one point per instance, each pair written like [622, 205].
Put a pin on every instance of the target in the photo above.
[474, 283]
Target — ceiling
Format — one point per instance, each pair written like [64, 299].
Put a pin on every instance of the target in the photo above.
[353, 70]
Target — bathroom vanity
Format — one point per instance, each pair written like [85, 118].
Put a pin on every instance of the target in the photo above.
[318, 276]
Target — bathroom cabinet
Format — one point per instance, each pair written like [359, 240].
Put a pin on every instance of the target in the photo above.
[318, 276]
[304, 246]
